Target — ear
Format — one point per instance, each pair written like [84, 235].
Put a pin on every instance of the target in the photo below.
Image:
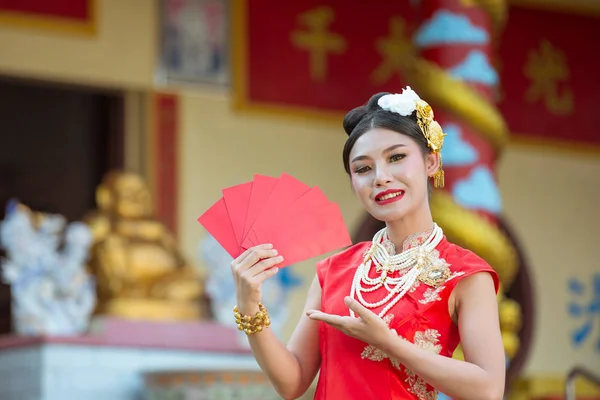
[432, 163]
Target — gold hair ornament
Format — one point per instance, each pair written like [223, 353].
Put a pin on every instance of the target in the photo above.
[405, 104]
[434, 134]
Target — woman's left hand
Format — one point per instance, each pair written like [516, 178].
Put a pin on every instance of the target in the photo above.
[368, 327]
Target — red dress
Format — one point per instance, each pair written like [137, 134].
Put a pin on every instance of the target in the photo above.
[350, 369]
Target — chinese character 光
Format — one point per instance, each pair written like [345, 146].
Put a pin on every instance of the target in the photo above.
[318, 40]
[587, 311]
[545, 68]
[392, 49]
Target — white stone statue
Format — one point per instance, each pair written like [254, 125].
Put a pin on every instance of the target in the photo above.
[52, 293]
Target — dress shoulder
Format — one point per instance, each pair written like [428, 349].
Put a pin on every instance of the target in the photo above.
[464, 263]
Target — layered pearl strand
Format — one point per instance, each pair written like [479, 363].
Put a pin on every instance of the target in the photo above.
[410, 263]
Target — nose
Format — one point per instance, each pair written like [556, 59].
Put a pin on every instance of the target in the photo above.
[382, 177]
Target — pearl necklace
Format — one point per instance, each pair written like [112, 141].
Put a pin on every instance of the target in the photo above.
[410, 262]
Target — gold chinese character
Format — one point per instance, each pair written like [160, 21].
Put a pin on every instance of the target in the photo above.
[545, 68]
[318, 40]
[392, 49]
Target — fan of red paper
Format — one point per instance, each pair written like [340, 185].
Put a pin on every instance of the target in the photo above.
[297, 219]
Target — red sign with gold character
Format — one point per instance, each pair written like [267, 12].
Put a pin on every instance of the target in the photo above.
[318, 55]
[330, 56]
[550, 84]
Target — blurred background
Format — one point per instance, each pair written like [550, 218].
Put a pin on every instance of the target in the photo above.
[122, 121]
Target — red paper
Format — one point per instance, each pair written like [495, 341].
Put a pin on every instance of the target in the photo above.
[216, 221]
[313, 234]
[236, 199]
[287, 190]
[262, 186]
[311, 200]
[298, 220]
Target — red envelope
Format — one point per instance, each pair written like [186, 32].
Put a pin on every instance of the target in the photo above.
[236, 199]
[262, 186]
[298, 220]
[280, 214]
[312, 234]
[216, 221]
[287, 190]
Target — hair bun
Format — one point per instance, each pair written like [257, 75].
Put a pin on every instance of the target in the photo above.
[372, 104]
[354, 116]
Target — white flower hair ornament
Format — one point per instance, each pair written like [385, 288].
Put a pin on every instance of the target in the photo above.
[405, 104]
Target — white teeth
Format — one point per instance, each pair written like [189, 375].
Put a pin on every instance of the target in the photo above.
[389, 196]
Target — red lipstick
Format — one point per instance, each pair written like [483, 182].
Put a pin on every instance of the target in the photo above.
[389, 196]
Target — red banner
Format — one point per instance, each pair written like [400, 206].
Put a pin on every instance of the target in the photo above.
[72, 9]
[319, 55]
[329, 56]
[550, 84]
[70, 16]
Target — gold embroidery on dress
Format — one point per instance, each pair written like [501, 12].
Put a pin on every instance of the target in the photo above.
[433, 294]
[374, 354]
[416, 239]
[418, 387]
[411, 241]
[427, 340]
[454, 275]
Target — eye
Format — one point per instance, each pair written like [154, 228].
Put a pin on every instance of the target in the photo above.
[397, 157]
[361, 170]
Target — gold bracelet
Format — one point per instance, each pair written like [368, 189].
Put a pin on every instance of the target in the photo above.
[250, 324]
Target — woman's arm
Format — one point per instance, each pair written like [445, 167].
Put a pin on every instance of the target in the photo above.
[481, 376]
[291, 370]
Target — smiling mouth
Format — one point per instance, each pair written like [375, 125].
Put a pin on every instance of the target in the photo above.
[386, 197]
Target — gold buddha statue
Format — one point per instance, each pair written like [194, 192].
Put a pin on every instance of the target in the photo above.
[139, 271]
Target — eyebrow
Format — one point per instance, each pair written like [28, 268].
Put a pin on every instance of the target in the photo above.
[363, 157]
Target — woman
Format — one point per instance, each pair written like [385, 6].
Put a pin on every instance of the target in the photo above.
[384, 317]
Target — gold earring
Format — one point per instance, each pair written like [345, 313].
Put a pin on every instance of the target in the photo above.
[438, 176]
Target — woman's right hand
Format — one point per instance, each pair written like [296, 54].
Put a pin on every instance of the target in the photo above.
[250, 270]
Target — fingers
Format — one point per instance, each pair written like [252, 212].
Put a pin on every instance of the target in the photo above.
[262, 266]
[358, 309]
[334, 320]
[264, 275]
[253, 275]
[245, 254]
[252, 256]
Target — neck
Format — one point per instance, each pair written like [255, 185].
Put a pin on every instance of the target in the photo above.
[400, 230]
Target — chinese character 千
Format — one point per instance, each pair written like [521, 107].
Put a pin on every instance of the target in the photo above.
[318, 40]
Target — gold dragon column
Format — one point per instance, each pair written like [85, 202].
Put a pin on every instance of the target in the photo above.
[453, 68]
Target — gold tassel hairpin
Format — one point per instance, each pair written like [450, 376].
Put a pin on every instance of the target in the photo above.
[434, 134]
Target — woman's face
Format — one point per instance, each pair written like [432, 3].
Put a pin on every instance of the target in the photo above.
[389, 174]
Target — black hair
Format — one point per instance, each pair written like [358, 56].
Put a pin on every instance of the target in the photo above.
[368, 116]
